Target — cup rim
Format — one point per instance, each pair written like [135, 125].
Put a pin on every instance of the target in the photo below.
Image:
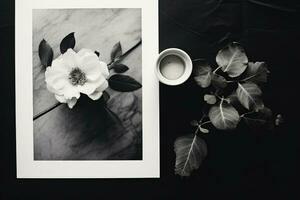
[185, 58]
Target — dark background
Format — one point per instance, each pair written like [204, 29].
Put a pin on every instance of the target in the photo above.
[245, 163]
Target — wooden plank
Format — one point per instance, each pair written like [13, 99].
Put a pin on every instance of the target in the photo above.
[80, 134]
[97, 29]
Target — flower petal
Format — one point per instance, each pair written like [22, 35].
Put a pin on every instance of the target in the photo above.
[60, 98]
[51, 89]
[104, 69]
[99, 91]
[83, 51]
[70, 59]
[91, 66]
[90, 86]
[103, 86]
[71, 102]
[95, 95]
[58, 63]
[71, 91]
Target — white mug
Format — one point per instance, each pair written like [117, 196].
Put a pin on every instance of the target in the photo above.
[173, 66]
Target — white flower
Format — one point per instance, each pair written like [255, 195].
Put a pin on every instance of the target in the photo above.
[74, 73]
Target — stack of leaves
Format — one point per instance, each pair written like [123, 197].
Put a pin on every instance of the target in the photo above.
[233, 94]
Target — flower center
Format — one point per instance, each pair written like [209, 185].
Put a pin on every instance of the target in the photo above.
[77, 77]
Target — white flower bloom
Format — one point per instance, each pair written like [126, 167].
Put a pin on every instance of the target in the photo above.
[74, 73]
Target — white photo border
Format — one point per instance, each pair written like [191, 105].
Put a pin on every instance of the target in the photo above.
[27, 167]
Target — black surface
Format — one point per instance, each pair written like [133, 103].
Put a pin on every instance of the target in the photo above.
[241, 164]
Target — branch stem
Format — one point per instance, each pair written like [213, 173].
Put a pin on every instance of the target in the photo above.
[247, 78]
[215, 71]
[247, 113]
[207, 122]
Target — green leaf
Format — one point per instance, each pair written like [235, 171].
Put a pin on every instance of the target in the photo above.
[119, 68]
[190, 151]
[203, 74]
[218, 81]
[45, 53]
[116, 52]
[257, 72]
[203, 130]
[123, 83]
[224, 116]
[210, 99]
[249, 95]
[232, 59]
[259, 118]
[67, 43]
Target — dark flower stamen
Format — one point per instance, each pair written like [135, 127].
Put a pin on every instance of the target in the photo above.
[77, 77]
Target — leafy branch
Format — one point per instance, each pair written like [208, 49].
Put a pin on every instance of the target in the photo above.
[228, 105]
[118, 82]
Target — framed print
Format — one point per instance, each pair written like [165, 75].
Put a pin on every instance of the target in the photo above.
[86, 91]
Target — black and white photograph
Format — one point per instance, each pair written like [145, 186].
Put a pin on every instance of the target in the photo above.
[150, 99]
[87, 84]
[85, 73]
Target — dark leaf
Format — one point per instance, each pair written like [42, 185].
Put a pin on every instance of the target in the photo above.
[218, 81]
[210, 99]
[260, 118]
[45, 53]
[224, 116]
[249, 94]
[123, 83]
[202, 73]
[203, 130]
[116, 52]
[119, 68]
[233, 99]
[190, 151]
[256, 72]
[97, 53]
[194, 123]
[232, 59]
[67, 43]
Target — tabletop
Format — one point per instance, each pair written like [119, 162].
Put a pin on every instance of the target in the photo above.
[240, 165]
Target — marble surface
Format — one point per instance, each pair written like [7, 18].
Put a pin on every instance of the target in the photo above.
[78, 134]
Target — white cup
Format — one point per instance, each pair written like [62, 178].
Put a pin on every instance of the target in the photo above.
[173, 66]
